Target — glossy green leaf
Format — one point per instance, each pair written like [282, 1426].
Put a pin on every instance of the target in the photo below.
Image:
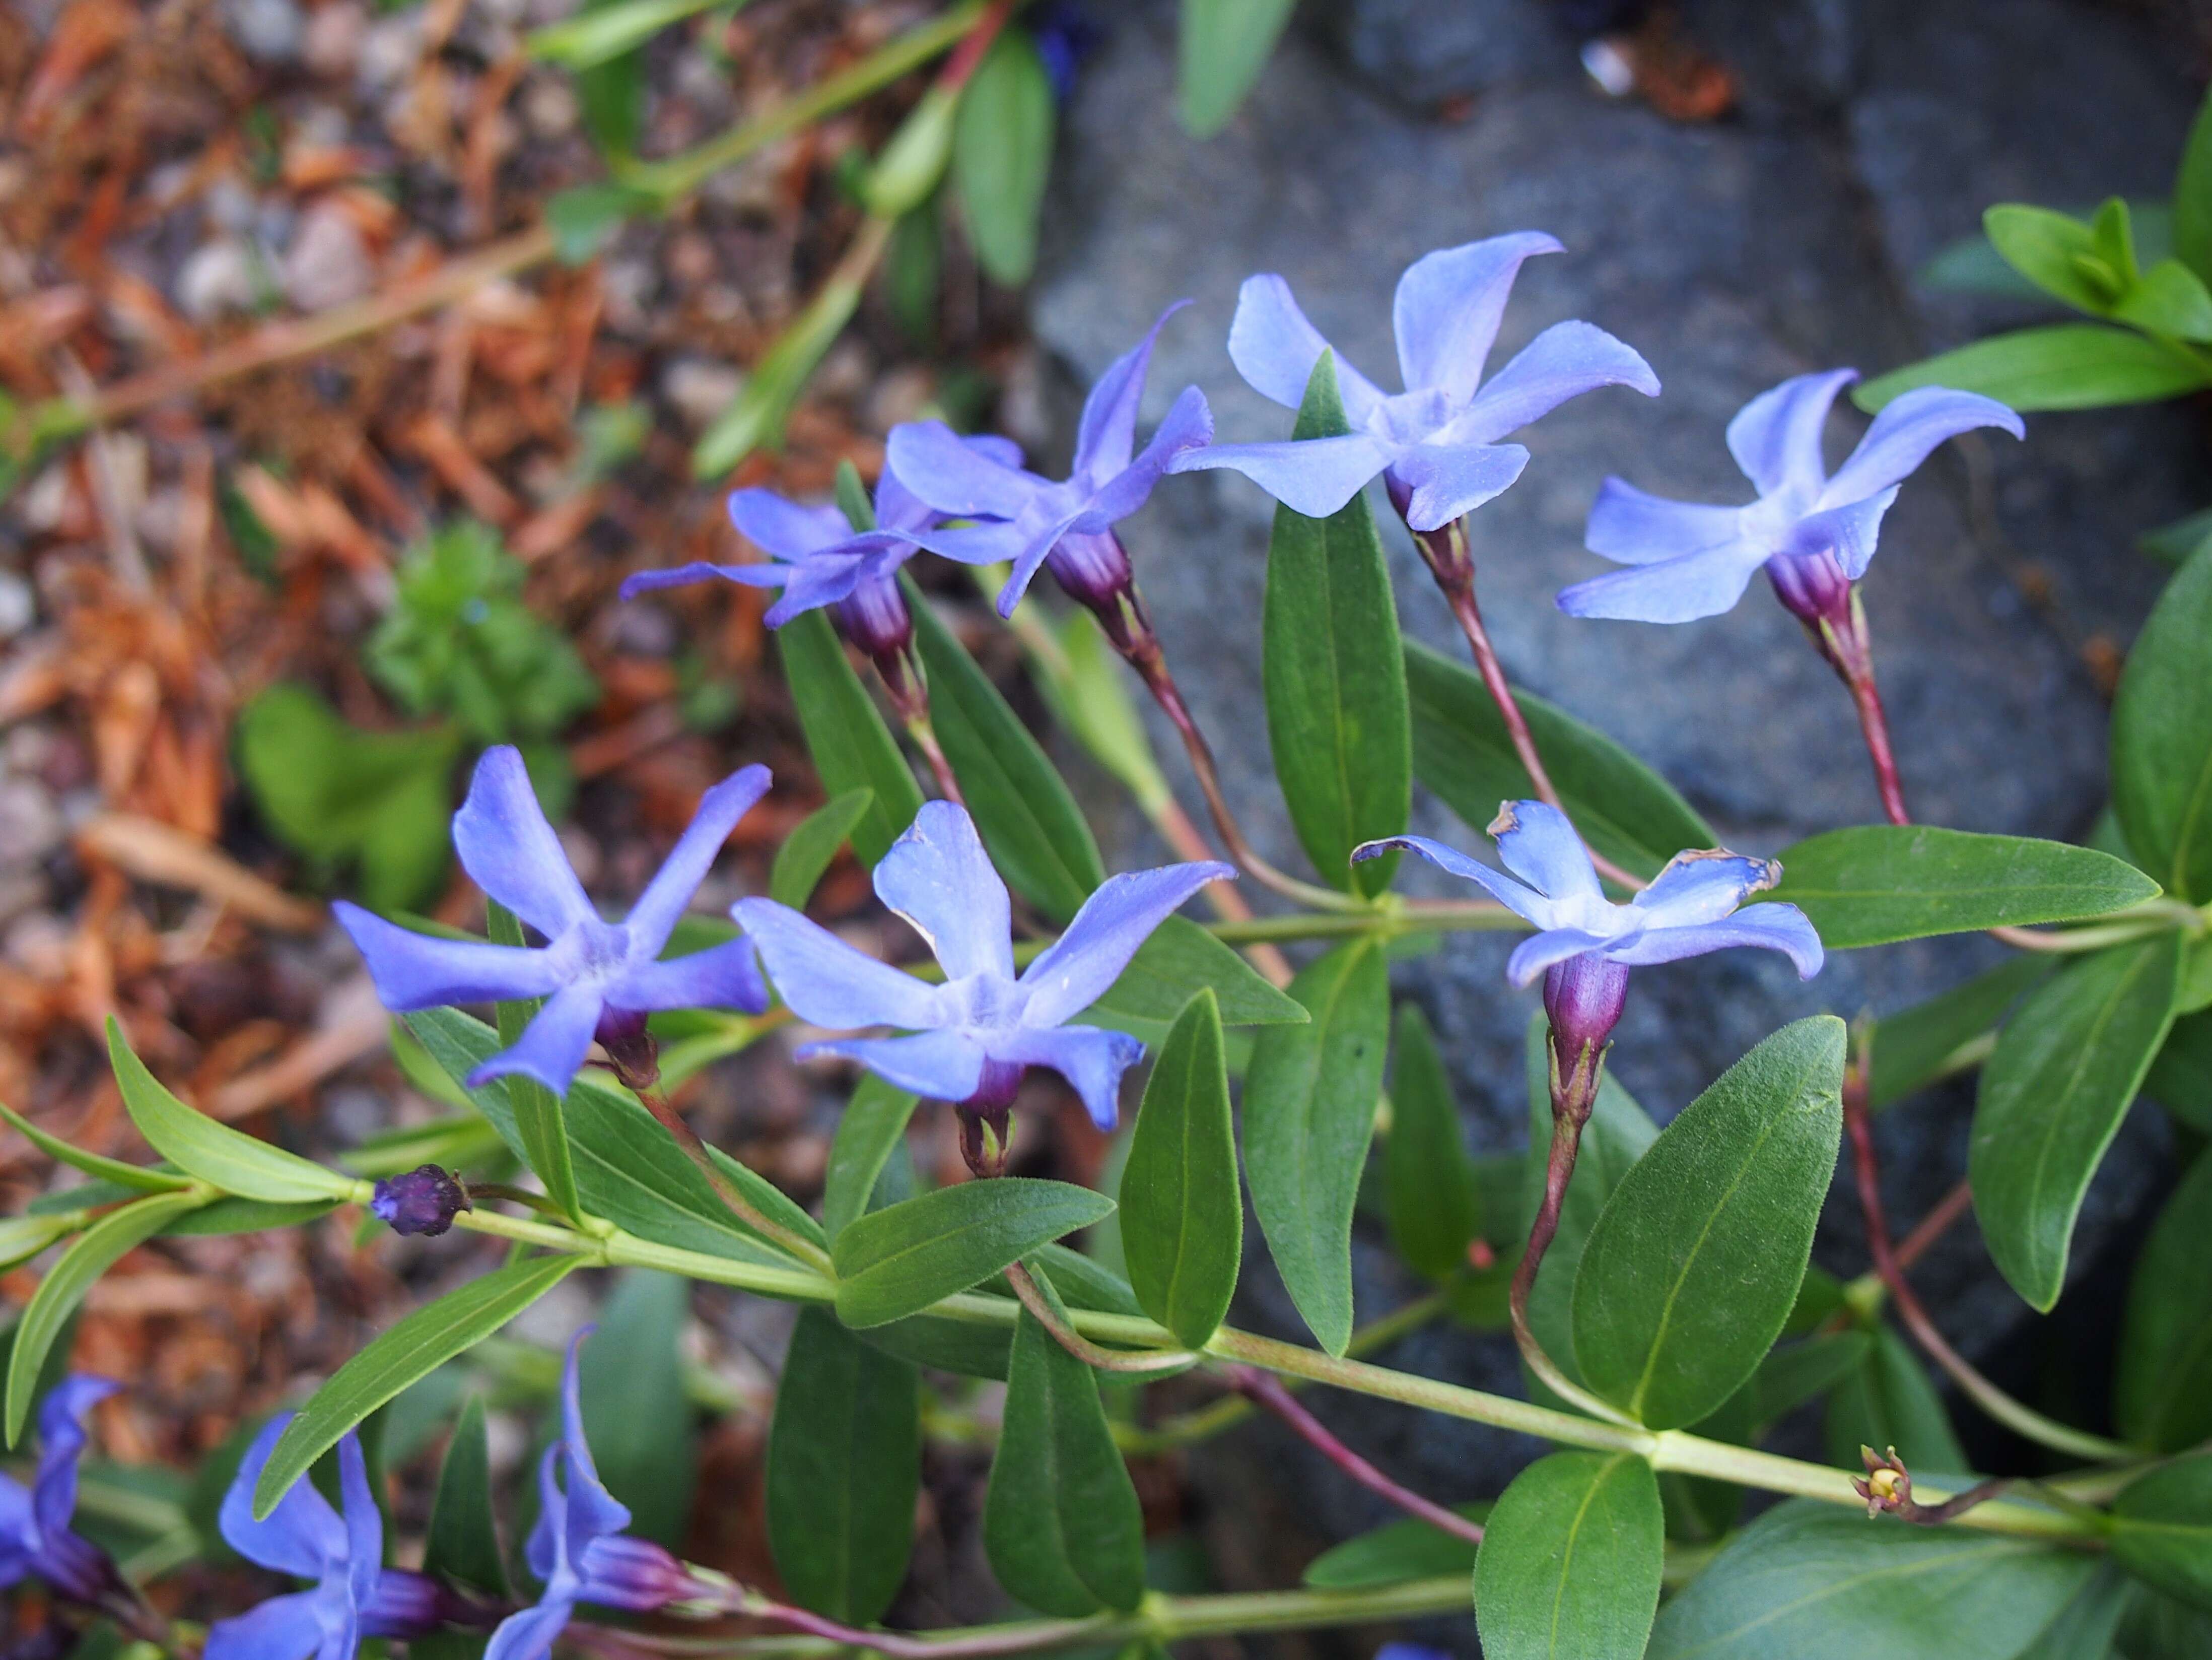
[2065, 366]
[1798, 1372]
[2168, 298]
[1873, 884]
[870, 1126]
[851, 746]
[1031, 825]
[1182, 1214]
[970, 1349]
[2162, 737]
[585, 219]
[1311, 1095]
[1394, 1553]
[2162, 1395]
[2157, 1627]
[1815, 1582]
[2192, 196]
[844, 1462]
[2084, 1628]
[610, 95]
[2162, 1529]
[1571, 1560]
[22, 1238]
[1086, 684]
[1915, 1046]
[1062, 1524]
[2175, 541]
[1462, 752]
[807, 851]
[462, 1543]
[47, 1314]
[606, 32]
[629, 1378]
[538, 1118]
[1002, 154]
[1890, 1400]
[422, 1342]
[1691, 1271]
[1429, 1189]
[1181, 960]
[2055, 252]
[219, 1155]
[136, 1177]
[1223, 46]
[2052, 1096]
[897, 1261]
[2180, 1078]
[755, 417]
[1333, 674]
[236, 1215]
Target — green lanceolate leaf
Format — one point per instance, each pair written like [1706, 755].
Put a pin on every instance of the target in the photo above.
[414, 1348]
[22, 1238]
[2180, 1080]
[2192, 196]
[584, 218]
[630, 1379]
[1311, 1095]
[1062, 1524]
[538, 1119]
[1182, 1216]
[1394, 1554]
[1691, 1271]
[2162, 1529]
[96, 1251]
[897, 1261]
[1915, 1046]
[1428, 1178]
[1181, 960]
[2163, 1392]
[1813, 1581]
[2065, 366]
[217, 1154]
[1873, 884]
[1462, 752]
[2052, 1096]
[2055, 252]
[844, 1461]
[807, 851]
[1798, 1372]
[136, 1177]
[1225, 43]
[1571, 1560]
[2084, 1628]
[851, 746]
[873, 1122]
[1028, 821]
[1002, 155]
[1888, 1401]
[463, 1541]
[1332, 673]
[2162, 737]
[973, 1350]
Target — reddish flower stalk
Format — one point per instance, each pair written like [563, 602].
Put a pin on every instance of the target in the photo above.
[1264, 1390]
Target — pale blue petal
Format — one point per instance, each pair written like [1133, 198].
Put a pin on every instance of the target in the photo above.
[529, 1634]
[942, 1065]
[930, 460]
[724, 976]
[1776, 437]
[1106, 436]
[1312, 476]
[506, 846]
[784, 529]
[1274, 348]
[822, 580]
[1633, 528]
[285, 1627]
[542, 1553]
[589, 1510]
[1702, 887]
[61, 1444]
[555, 1043]
[1188, 426]
[1092, 1061]
[1775, 926]
[416, 971]
[994, 448]
[1679, 590]
[1030, 560]
[1850, 532]
[939, 878]
[1538, 844]
[301, 1536]
[1447, 308]
[1907, 429]
[1541, 951]
[825, 982]
[364, 1523]
[1074, 971]
[1449, 480]
[700, 570]
[667, 897]
[999, 541]
[1565, 361]
[1523, 902]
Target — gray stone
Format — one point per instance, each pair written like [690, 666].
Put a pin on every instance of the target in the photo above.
[268, 31]
[1423, 53]
[328, 261]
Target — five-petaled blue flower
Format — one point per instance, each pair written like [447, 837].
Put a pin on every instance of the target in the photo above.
[974, 1034]
[1814, 533]
[355, 1595]
[577, 1551]
[1029, 516]
[1437, 442]
[818, 559]
[34, 1521]
[600, 979]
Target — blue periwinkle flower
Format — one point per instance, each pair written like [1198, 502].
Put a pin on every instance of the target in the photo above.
[600, 979]
[578, 1551]
[1437, 442]
[1585, 944]
[1028, 517]
[973, 1036]
[35, 1540]
[355, 1595]
[1814, 533]
[818, 559]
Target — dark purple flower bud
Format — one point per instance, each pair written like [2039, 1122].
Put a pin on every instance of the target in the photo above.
[987, 1117]
[1813, 588]
[424, 1201]
[873, 616]
[620, 1571]
[1583, 999]
[1093, 568]
[403, 1605]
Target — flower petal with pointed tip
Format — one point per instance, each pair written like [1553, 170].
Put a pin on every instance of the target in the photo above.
[944, 1065]
[1564, 362]
[1903, 435]
[939, 878]
[1627, 524]
[555, 1043]
[1776, 437]
[825, 982]
[1274, 348]
[1678, 590]
[1106, 436]
[1091, 1059]
[509, 849]
[654, 917]
[1073, 972]
[1448, 304]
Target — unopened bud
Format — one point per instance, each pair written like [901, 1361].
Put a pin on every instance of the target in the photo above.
[874, 617]
[1887, 1485]
[1582, 1000]
[1092, 567]
[623, 1572]
[987, 1118]
[1812, 587]
[424, 1201]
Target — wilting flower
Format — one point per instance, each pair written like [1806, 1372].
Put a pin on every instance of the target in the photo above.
[1814, 533]
[1030, 515]
[423, 1200]
[36, 1539]
[818, 559]
[1437, 442]
[355, 1595]
[974, 1034]
[600, 979]
[578, 1550]
[1585, 944]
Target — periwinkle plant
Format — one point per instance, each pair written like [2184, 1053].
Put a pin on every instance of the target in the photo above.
[1659, 1290]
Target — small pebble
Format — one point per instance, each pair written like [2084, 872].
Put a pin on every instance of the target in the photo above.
[217, 279]
[335, 35]
[699, 391]
[19, 606]
[328, 263]
[267, 31]
[549, 107]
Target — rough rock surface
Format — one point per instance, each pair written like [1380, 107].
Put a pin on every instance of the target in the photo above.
[1732, 255]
